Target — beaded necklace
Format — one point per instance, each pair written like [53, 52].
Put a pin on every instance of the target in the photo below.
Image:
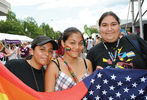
[70, 70]
[113, 58]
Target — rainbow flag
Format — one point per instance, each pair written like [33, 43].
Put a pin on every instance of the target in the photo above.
[130, 54]
[68, 48]
[12, 88]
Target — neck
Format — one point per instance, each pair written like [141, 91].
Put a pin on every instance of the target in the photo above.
[34, 64]
[70, 59]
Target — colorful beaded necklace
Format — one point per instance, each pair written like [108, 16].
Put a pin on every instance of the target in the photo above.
[70, 70]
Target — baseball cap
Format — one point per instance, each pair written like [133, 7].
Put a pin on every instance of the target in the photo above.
[41, 40]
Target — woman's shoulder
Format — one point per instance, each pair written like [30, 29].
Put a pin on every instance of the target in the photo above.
[16, 61]
[53, 65]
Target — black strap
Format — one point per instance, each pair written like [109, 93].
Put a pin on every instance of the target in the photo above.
[85, 63]
[57, 63]
[133, 40]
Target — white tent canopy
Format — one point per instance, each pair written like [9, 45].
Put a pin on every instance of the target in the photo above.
[22, 38]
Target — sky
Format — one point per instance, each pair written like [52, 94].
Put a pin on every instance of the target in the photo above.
[61, 14]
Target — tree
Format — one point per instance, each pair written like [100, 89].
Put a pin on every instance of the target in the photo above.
[28, 27]
[11, 25]
[90, 31]
[31, 27]
[11, 16]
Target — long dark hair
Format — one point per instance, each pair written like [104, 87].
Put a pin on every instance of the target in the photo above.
[106, 14]
[69, 31]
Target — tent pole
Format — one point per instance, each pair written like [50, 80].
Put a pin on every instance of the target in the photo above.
[140, 19]
[133, 27]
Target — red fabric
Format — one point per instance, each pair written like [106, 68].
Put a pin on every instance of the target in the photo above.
[12, 88]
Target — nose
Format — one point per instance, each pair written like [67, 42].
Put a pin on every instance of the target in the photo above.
[47, 53]
[77, 46]
[109, 27]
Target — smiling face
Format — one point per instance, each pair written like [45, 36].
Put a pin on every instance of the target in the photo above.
[42, 54]
[73, 45]
[110, 29]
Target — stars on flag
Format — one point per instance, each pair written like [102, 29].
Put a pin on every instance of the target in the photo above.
[105, 81]
[113, 77]
[113, 86]
[143, 79]
[134, 84]
[126, 90]
[119, 83]
[118, 94]
[141, 91]
[98, 86]
[128, 78]
[92, 81]
[99, 75]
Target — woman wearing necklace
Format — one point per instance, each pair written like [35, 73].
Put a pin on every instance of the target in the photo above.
[113, 51]
[31, 71]
[67, 70]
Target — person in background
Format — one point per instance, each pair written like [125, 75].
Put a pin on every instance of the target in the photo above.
[31, 71]
[24, 51]
[98, 39]
[89, 43]
[13, 52]
[4, 53]
[69, 69]
[113, 51]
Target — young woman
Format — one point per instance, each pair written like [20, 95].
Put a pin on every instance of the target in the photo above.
[69, 69]
[31, 71]
[113, 51]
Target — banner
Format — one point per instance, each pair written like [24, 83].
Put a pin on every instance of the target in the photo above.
[12, 41]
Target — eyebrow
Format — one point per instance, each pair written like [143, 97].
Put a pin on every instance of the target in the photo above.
[107, 23]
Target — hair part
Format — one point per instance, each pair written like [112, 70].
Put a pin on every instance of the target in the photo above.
[110, 13]
[69, 31]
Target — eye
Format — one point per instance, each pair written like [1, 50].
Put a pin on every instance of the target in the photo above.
[72, 42]
[42, 49]
[50, 51]
[104, 25]
[113, 24]
[81, 43]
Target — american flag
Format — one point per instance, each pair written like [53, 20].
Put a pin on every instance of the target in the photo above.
[117, 84]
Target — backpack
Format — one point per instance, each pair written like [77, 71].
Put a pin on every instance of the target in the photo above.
[133, 40]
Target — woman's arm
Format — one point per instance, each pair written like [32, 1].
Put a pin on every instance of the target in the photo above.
[7, 52]
[50, 77]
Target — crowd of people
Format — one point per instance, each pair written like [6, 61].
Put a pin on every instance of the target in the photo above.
[13, 51]
[67, 67]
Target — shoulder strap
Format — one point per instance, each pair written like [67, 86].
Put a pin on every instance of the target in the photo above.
[85, 63]
[57, 63]
[133, 40]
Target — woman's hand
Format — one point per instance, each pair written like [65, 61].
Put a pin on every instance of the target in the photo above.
[99, 67]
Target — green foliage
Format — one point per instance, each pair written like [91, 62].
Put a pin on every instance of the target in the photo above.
[48, 31]
[28, 27]
[89, 31]
[93, 30]
[11, 16]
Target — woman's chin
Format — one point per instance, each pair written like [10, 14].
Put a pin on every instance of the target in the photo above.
[111, 40]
